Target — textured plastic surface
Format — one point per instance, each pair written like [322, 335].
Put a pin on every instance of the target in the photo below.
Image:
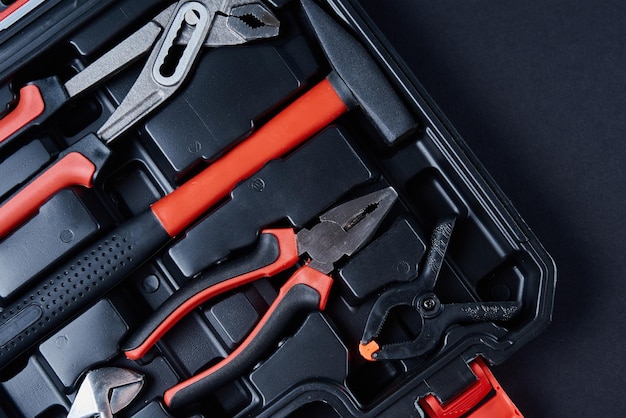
[64, 223]
[224, 102]
[393, 257]
[302, 119]
[318, 351]
[48, 24]
[77, 346]
[305, 291]
[22, 164]
[280, 190]
[233, 91]
[89, 275]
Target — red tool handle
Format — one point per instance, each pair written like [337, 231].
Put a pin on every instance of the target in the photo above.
[13, 7]
[277, 250]
[76, 166]
[72, 169]
[30, 106]
[306, 290]
[313, 111]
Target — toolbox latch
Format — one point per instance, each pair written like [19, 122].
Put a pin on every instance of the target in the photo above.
[483, 399]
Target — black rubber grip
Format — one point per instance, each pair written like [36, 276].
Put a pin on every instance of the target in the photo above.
[78, 284]
[300, 298]
[266, 252]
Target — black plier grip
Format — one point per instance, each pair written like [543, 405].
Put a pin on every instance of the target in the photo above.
[306, 290]
[340, 232]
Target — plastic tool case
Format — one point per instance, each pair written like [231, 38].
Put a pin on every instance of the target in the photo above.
[314, 368]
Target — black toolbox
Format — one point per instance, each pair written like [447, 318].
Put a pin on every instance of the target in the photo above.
[315, 367]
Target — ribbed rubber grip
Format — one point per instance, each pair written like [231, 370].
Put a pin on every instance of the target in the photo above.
[75, 286]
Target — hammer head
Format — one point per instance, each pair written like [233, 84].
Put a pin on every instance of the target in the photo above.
[357, 78]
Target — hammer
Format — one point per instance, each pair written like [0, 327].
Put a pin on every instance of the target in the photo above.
[355, 81]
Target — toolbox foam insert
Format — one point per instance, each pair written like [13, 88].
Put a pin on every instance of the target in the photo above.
[6, 99]
[283, 189]
[192, 344]
[159, 377]
[235, 317]
[110, 24]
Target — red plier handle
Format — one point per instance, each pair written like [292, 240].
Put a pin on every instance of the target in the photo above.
[305, 291]
[76, 166]
[36, 101]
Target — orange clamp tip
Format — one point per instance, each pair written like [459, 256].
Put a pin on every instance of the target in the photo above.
[367, 350]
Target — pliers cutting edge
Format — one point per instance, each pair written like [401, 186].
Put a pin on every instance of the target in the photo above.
[340, 232]
[187, 25]
[436, 317]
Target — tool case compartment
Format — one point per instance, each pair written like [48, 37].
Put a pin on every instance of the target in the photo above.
[316, 368]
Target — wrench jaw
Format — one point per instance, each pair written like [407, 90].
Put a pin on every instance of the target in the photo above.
[242, 23]
[106, 391]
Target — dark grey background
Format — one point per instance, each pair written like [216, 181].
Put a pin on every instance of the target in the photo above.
[538, 91]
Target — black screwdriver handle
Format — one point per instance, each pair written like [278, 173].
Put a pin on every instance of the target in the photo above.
[77, 284]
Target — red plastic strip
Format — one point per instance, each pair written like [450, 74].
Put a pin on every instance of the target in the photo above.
[288, 255]
[30, 106]
[304, 275]
[497, 406]
[74, 169]
[299, 121]
[13, 7]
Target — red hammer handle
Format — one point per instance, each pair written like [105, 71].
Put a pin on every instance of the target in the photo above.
[302, 119]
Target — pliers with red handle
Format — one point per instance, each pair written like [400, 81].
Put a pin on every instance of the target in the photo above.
[188, 24]
[340, 232]
[436, 317]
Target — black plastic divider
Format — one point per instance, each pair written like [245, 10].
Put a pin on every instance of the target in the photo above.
[283, 190]
[63, 224]
[317, 369]
[231, 90]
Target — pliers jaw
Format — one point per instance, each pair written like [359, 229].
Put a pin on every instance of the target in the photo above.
[435, 317]
[239, 22]
[344, 229]
[190, 25]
